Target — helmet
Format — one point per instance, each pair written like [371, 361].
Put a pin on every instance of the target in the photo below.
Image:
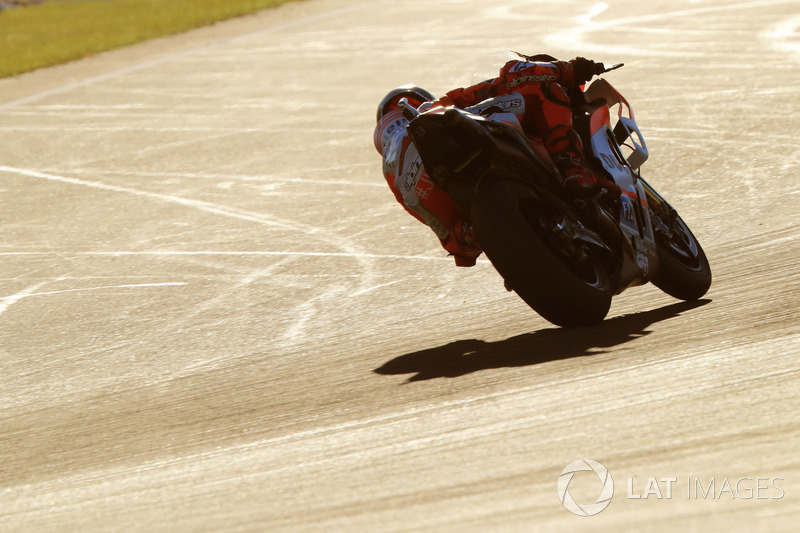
[412, 92]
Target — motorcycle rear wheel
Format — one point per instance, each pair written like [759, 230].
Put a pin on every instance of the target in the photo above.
[517, 231]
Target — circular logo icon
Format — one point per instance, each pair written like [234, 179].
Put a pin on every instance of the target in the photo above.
[585, 509]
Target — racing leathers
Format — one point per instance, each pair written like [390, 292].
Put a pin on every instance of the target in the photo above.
[413, 188]
[536, 90]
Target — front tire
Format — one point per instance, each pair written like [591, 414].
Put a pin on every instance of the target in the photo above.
[683, 269]
[517, 231]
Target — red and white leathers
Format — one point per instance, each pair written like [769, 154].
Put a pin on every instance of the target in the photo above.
[534, 91]
[545, 113]
[413, 188]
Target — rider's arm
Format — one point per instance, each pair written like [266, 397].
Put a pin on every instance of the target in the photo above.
[512, 75]
[465, 97]
[516, 73]
[567, 73]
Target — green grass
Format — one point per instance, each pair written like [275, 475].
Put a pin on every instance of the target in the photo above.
[58, 31]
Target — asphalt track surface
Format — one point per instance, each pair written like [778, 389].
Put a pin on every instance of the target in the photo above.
[214, 316]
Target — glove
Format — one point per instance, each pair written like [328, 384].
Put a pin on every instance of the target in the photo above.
[444, 101]
[584, 69]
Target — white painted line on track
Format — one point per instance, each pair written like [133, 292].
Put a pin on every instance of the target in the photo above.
[201, 205]
[280, 179]
[350, 248]
[370, 289]
[305, 311]
[197, 204]
[214, 209]
[230, 253]
[126, 286]
[8, 301]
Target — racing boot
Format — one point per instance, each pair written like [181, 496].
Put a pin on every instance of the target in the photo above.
[462, 244]
[577, 179]
[583, 184]
[564, 146]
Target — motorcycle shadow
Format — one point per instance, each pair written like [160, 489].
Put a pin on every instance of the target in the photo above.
[467, 356]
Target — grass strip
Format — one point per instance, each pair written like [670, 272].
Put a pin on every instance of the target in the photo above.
[55, 32]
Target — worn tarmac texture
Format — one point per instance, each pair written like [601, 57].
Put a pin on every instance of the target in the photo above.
[214, 316]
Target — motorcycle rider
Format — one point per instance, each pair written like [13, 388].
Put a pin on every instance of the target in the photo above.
[536, 89]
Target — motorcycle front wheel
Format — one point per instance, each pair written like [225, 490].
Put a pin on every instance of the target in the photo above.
[566, 284]
[683, 269]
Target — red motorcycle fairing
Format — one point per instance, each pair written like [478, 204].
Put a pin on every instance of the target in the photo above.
[606, 140]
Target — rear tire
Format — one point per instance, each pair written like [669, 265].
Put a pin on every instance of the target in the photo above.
[516, 231]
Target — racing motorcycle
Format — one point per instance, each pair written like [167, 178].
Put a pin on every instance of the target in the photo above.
[564, 257]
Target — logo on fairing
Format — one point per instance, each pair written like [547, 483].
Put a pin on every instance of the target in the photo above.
[513, 103]
[539, 78]
[627, 209]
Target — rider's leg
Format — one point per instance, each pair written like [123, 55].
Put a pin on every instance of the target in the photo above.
[549, 116]
[458, 239]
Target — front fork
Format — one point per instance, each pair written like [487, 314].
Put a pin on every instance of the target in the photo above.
[639, 244]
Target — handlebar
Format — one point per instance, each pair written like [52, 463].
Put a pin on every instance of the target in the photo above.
[612, 67]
